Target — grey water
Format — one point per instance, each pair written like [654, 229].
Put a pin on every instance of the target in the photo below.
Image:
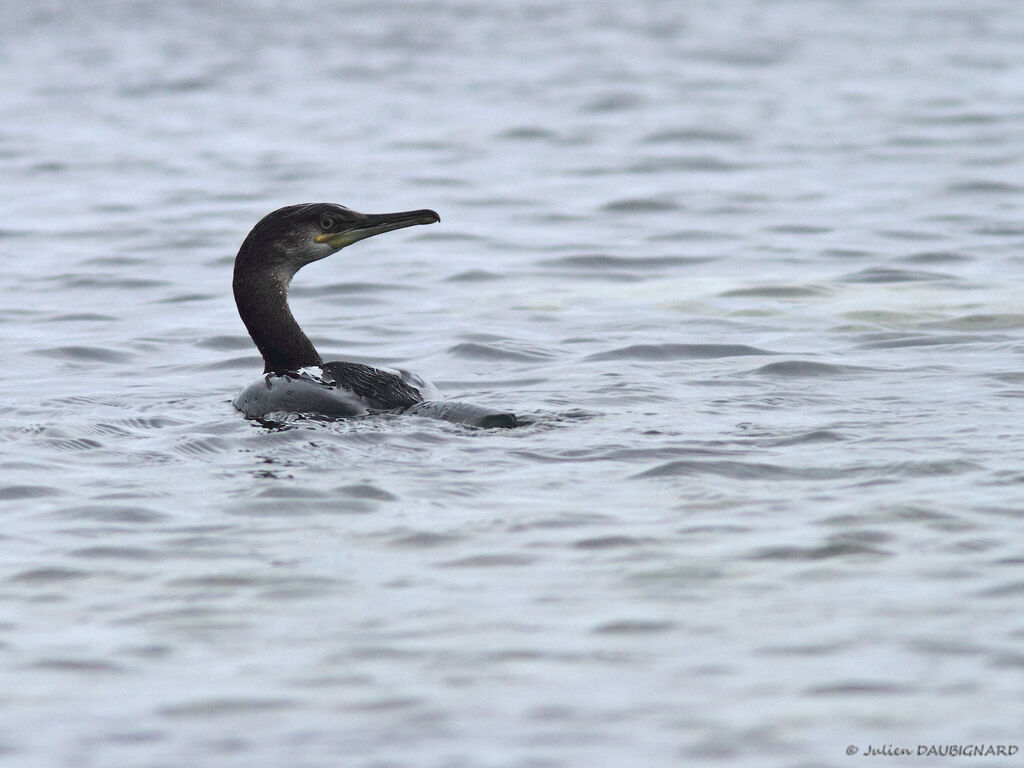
[752, 271]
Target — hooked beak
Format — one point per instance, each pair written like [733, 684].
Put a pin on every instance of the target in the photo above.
[370, 224]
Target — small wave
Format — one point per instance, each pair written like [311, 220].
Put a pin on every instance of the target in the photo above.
[640, 205]
[425, 540]
[80, 317]
[107, 552]
[633, 627]
[110, 514]
[888, 275]
[115, 261]
[199, 447]
[292, 492]
[450, 237]
[13, 492]
[85, 354]
[218, 580]
[439, 181]
[922, 341]
[757, 56]
[845, 253]
[475, 351]
[741, 470]
[224, 343]
[1007, 589]
[614, 102]
[696, 135]
[692, 236]
[185, 298]
[156, 86]
[106, 429]
[77, 665]
[807, 368]
[935, 257]
[678, 352]
[778, 292]
[473, 276]
[491, 561]
[860, 689]
[814, 436]
[245, 362]
[823, 552]
[49, 575]
[604, 261]
[909, 234]
[985, 322]
[937, 468]
[345, 289]
[984, 187]
[87, 401]
[210, 707]
[611, 542]
[366, 491]
[62, 444]
[999, 230]
[488, 201]
[119, 283]
[799, 229]
[528, 133]
[696, 164]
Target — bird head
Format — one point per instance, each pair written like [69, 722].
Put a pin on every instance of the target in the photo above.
[291, 237]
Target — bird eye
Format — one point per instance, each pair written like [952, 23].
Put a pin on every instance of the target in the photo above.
[326, 223]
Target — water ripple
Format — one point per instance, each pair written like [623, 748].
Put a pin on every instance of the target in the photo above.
[779, 292]
[743, 470]
[890, 275]
[823, 552]
[112, 513]
[672, 351]
[83, 354]
[476, 351]
[799, 369]
[640, 205]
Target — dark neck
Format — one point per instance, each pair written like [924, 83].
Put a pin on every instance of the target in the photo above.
[261, 294]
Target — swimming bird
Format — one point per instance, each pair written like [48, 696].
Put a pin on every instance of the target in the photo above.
[295, 377]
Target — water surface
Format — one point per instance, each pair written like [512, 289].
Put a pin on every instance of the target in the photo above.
[751, 270]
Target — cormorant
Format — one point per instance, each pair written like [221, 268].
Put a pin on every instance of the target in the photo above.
[296, 379]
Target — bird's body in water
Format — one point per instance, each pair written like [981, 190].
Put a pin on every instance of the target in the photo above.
[296, 379]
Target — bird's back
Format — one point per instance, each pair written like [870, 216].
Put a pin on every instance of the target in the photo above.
[380, 390]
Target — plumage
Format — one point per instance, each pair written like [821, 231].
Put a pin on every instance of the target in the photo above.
[296, 379]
